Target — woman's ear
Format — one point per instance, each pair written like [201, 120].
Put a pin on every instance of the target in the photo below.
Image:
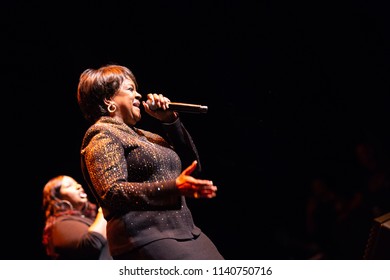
[107, 102]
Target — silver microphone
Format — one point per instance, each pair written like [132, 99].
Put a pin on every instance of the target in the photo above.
[181, 107]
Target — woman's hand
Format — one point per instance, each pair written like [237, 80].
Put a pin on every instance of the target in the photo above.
[160, 110]
[192, 187]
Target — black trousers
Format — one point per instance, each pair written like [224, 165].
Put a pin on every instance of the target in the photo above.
[198, 248]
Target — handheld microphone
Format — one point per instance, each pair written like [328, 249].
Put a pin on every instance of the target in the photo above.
[182, 107]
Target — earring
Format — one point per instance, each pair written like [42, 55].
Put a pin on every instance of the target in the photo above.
[111, 108]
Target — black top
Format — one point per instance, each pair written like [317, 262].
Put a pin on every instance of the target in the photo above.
[132, 174]
[71, 239]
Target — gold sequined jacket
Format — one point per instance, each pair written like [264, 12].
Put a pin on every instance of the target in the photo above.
[132, 174]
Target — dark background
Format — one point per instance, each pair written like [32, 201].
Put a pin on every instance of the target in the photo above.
[291, 87]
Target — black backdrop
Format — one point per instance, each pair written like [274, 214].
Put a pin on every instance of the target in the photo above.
[290, 89]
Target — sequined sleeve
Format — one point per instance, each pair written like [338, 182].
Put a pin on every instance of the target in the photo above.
[106, 159]
[183, 143]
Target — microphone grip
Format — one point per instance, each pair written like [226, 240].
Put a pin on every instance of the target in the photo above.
[183, 107]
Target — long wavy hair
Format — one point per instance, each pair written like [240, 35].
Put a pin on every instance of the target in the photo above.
[54, 206]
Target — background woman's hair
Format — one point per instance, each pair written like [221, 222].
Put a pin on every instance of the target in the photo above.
[54, 205]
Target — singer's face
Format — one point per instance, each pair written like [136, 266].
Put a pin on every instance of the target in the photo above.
[127, 100]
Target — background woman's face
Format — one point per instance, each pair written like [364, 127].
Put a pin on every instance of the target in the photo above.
[73, 192]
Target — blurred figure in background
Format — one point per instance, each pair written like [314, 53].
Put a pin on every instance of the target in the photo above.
[74, 227]
[342, 206]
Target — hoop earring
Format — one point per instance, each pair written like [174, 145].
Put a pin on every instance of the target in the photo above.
[111, 108]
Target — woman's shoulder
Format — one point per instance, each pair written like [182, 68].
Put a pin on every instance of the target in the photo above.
[106, 123]
[110, 131]
[73, 219]
[108, 126]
